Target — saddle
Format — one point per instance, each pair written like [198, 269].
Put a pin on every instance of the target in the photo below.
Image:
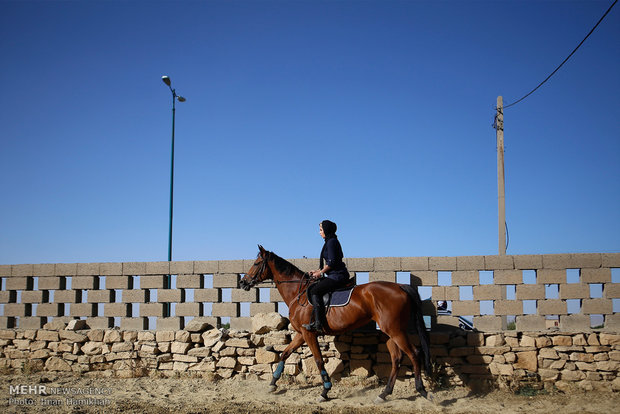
[340, 296]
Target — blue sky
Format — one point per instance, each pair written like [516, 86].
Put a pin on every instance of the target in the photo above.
[374, 114]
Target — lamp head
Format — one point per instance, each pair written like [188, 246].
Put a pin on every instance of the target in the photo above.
[166, 80]
[181, 99]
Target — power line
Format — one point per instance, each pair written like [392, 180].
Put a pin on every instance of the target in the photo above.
[565, 60]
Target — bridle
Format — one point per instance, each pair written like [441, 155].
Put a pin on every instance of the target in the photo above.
[305, 280]
[256, 278]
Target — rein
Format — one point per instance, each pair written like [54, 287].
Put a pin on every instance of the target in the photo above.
[305, 278]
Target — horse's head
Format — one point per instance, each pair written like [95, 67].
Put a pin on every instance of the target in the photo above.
[258, 272]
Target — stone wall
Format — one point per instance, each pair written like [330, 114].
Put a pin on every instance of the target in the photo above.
[502, 359]
[573, 289]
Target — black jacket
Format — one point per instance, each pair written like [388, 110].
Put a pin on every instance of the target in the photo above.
[332, 255]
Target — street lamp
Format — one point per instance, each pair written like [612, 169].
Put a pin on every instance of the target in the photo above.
[175, 97]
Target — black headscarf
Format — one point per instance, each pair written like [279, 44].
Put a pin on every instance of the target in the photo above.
[329, 228]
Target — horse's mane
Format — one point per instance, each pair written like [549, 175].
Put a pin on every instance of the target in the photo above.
[282, 265]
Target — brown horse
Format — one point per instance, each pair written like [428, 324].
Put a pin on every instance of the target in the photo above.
[390, 305]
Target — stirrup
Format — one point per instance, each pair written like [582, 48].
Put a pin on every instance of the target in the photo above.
[313, 327]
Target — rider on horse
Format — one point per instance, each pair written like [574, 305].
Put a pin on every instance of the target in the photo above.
[333, 274]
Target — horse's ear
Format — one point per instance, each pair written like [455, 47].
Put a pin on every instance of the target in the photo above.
[261, 250]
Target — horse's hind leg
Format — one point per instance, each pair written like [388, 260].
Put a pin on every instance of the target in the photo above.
[297, 341]
[396, 356]
[403, 343]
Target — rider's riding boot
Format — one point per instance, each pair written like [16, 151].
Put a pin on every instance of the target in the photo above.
[315, 325]
[318, 312]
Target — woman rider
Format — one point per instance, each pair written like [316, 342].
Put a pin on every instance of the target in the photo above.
[333, 273]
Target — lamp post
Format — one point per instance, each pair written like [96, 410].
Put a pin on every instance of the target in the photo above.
[175, 97]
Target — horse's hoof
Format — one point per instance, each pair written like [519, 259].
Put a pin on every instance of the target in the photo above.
[321, 399]
[379, 400]
[430, 397]
[272, 388]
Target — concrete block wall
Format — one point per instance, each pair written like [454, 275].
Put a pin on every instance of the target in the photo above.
[489, 290]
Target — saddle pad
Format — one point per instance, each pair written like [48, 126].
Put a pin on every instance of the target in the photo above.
[339, 297]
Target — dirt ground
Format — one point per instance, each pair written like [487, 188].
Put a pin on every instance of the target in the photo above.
[241, 396]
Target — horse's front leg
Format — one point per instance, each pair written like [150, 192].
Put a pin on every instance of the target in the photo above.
[297, 341]
[313, 344]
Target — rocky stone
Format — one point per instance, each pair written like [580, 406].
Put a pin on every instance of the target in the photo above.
[72, 336]
[45, 335]
[149, 349]
[609, 339]
[55, 325]
[548, 353]
[579, 340]
[238, 342]
[228, 351]
[130, 336]
[260, 369]
[585, 366]
[122, 347]
[41, 353]
[475, 339]
[527, 341]
[197, 326]
[276, 338]
[359, 367]
[246, 361]
[492, 350]
[164, 336]
[267, 322]
[76, 325]
[502, 369]
[613, 366]
[527, 360]
[578, 356]
[199, 352]
[202, 366]
[180, 347]
[603, 356]
[92, 348]
[180, 366]
[225, 373]
[593, 339]
[561, 340]
[265, 357]
[95, 335]
[7, 334]
[112, 335]
[57, 364]
[211, 337]
[146, 336]
[184, 358]
[182, 336]
[226, 362]
[572, 375]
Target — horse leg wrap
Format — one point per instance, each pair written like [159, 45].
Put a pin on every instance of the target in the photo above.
[419, 386]
[278, 372]
[327, 383]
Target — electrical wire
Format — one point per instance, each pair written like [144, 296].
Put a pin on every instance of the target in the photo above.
[565, 60]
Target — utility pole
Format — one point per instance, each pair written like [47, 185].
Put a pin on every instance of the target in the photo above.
[501, 196]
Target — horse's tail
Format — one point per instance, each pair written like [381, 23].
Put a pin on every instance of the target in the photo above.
[419, 325]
